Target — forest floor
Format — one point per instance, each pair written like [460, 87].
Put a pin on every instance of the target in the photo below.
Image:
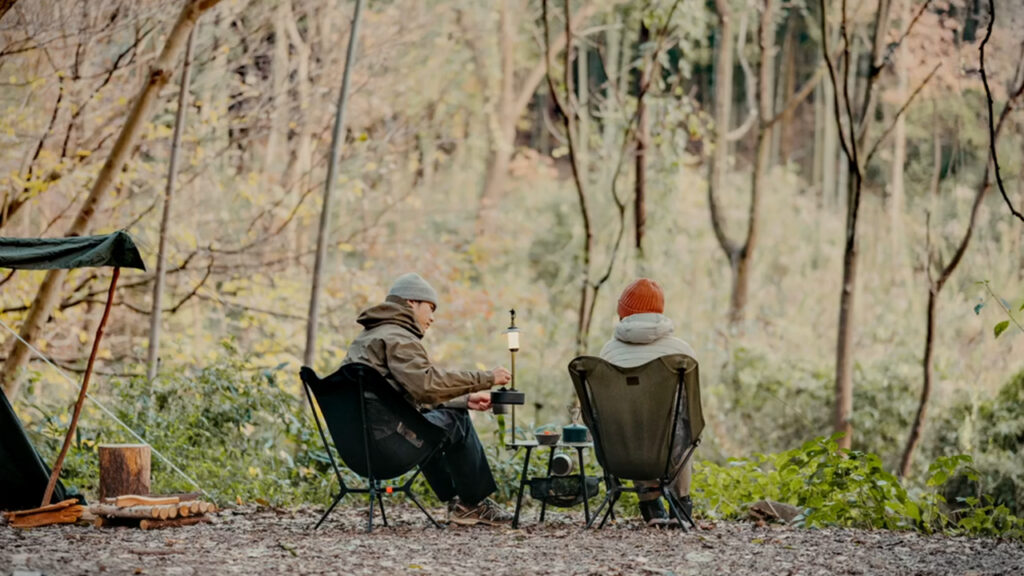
[267, 541]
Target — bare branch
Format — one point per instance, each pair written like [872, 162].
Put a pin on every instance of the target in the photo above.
[896, 45]
[832, 75]
[992, 132]
[874, 149]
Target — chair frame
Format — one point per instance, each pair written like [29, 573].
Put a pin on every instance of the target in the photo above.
[375, 489]
[613, 486]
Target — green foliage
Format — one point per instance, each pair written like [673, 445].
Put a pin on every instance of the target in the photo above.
[777, 403]
[992, 431]
[236, 431]
[835, 487]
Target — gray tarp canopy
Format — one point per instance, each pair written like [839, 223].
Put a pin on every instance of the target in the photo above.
[117, 249]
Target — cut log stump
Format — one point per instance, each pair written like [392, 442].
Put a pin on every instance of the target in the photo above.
[124, 469]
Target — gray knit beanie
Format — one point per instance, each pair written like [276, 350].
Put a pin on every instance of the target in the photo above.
[412, 286]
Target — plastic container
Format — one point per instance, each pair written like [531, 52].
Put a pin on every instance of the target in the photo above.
[574, 434]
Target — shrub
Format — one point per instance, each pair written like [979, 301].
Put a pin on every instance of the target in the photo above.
[992, 432]
[835, 487]
[236, 431]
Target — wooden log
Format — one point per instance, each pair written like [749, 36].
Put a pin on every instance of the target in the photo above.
[164, 512]
[124, 469]
[109, 522]
[136, 500]
[156, 524]
[48, 508]
[68, 515]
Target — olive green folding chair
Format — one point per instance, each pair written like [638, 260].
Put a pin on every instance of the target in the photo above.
[640, 417]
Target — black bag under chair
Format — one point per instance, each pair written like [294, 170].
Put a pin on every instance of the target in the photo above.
[646, 422]
[377, 433]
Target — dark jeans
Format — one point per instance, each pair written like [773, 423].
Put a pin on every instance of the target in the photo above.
[461, 468]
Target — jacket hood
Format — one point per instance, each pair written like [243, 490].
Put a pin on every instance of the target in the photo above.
[643, 328]
[390, 312]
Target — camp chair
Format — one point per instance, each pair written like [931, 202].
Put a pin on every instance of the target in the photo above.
[377, 433]
[633, 416]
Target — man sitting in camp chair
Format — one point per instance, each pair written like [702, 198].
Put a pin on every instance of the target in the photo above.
[390, 342]
[643, 334]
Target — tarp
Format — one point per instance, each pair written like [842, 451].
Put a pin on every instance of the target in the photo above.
[117, 249]
[23, 475]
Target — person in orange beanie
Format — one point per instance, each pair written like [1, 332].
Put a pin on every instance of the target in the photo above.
[643, 334]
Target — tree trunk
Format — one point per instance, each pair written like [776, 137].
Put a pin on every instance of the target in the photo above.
[504, 122]
[49, 290]
[337, 139]
[642, 138]
[277, 109]
[723, 113]
[153, 353]
[784, 89]
[844, 340]
[917, 428]
[766, 106]
[855, 139]
[300, 162]
[612, 42]
[124, 469]
[935, 287]
[583, 101]
[501, 152]
[899, 158]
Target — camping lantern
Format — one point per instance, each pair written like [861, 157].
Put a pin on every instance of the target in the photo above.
[504, 400]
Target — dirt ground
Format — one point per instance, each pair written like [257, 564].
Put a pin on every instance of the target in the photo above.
[283, 542]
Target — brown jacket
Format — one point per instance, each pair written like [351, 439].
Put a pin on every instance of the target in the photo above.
[390, 342]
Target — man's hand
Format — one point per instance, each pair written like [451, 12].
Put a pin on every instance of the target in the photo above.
[479, 401]
[501, 376]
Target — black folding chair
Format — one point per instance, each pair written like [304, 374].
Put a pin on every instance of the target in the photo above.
[633, 414]
[377, 433]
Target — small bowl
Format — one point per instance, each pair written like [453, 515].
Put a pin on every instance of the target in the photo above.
[547, 437]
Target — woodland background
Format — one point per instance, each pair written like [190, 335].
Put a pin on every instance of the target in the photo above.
[691, 141]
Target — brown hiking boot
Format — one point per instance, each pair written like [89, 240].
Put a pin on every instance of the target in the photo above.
[486, 512]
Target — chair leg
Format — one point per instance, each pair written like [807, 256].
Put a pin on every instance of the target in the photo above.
[422, 509]
[407, 490]
[383, 516]
[330, 509]
[678, 510]
[369, 519]
[597, 513]
[674, 509]
[611, 507]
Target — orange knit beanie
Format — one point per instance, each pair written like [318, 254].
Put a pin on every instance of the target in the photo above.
[641, 296]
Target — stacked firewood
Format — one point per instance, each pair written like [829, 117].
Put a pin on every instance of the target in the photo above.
[66, 512]
[151, 512]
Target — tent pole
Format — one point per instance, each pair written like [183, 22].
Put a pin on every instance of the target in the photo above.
[81, 393]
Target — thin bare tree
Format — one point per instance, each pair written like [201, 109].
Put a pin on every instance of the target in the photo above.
[153, 352]
[936, 283]
[741, 255]
[337, 139]
[854, 129]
